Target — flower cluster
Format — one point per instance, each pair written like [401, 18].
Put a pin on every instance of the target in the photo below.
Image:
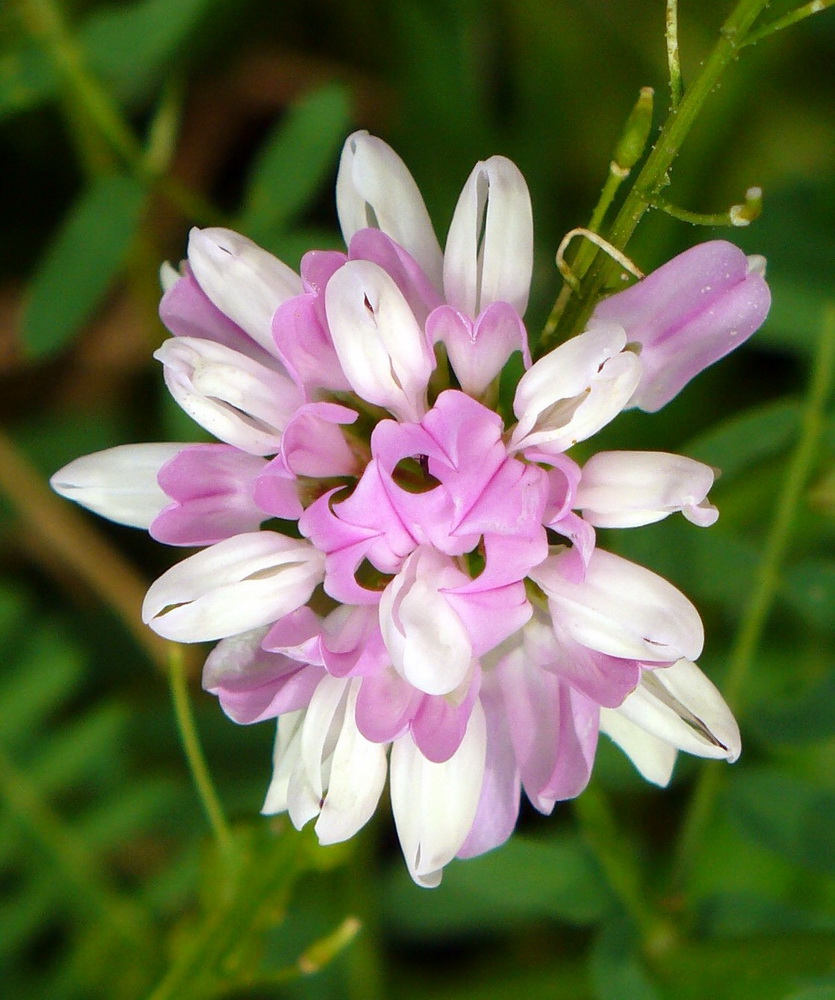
[437, 610]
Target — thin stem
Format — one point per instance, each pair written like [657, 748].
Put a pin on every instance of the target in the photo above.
[655, 173]
[194, 752]
[673, 62]
[601, 832]
[47, 25]
[815, 7]
[765, 586]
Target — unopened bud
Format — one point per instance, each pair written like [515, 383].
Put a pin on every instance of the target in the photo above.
[632, 143]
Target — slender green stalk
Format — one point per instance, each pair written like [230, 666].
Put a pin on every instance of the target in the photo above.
[673, 62]
[86, 95]
[765, 587]
[194, 752]
[655, 173]
[600, 831]
[815, 7]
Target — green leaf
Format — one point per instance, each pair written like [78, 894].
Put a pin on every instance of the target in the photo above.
[85, 256]
[808, 718]
[297, 158]
[787, 815]
[27, 78]
[522, 880]
[743, 441]
[617, 972]
[809, 587]
[130, 46]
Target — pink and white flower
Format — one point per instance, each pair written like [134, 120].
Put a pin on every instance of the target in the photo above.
[446, 616]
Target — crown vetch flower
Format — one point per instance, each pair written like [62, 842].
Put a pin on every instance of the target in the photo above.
[446, 616]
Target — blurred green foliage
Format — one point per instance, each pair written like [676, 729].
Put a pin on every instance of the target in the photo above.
[121, 125]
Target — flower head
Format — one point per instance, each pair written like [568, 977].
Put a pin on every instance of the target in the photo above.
[443, 613]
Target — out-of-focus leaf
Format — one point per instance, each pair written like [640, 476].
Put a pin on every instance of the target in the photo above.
[523, 880]
[744, 440]
[85, 256]
[809, 586]
[787, 815]
[296, 159]
[617, 972]
[129, 45]
[27, 78]
[814, 993]
[744, 914]
[805, 719]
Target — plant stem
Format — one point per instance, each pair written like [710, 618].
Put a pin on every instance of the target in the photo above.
[47, 25]
[194, 752]
[800, 14]
[655, 173]
[622, 873]
[766, 586]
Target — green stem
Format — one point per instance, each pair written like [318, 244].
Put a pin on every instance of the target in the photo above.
[617, 860]
[47, 26]
[807, 10]
[655, 173]
[765, 588]
[194, 752]
[673, 61]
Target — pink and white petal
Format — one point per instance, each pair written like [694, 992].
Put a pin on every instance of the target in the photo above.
[571, 393]
[286, 763]
[604, 679]
[356, 776]
[622, 609]
[235, 398]
[680, 705]
[236, 585]
[498, 807]
[375, 189]
[381, 347]
[303, 342]
[440, 721]
[252, 684]
[206, 520]
[489, 250]
[385, 706]
[628, 488]
[188, 312]
[478, 350]
[246, 283]
[417, 289]
[428, 642]
[435, 805]
[119, 483]
[653, 758]
[313, 445]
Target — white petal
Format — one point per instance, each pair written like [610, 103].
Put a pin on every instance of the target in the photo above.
[374, 189]
[654, 758]
[427, 641]
[242, 280]
[357, 776]
[623, 609]
[575, 390]
[233, 586]
[434, 805]
[286, 760]
[119, 483]
[489, 250]
[380, 345]
[680, 705]
[235, 398]
[621, 489]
